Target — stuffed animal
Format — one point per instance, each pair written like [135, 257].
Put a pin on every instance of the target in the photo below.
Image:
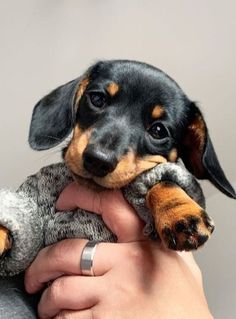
[33, 222]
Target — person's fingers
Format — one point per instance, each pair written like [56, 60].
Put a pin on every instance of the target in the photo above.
[75, 195]
[73, 314]
[116, 213]
[64, 258]
[85, 292]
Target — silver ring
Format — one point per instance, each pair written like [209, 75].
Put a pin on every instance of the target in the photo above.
[86, 262]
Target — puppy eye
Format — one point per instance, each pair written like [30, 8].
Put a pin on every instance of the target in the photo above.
[98, 99]
[158, 131]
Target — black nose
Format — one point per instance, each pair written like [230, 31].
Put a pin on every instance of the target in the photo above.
[99, 162]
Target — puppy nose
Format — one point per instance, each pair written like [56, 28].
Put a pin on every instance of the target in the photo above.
[99, 162]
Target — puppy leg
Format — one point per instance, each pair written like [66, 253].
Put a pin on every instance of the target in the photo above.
[180, 222]
[5, 240]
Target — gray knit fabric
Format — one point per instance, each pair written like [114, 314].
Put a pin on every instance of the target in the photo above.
[30, 215]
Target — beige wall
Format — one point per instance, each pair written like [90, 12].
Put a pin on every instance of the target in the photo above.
[46, 43]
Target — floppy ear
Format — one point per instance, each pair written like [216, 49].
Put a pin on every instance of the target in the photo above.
[198, 154]
[53, 116]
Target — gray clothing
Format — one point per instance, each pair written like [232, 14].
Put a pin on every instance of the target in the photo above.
[30, 215]
[15, 303]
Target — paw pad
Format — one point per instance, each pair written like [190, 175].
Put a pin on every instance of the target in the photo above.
[188, 233]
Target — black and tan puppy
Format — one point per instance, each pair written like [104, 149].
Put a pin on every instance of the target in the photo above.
[126, 117]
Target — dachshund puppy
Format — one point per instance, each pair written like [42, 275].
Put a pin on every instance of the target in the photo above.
[125, 118]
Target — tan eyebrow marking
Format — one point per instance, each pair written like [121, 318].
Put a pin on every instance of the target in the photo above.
[113, 88]
[173, 155]
[157, 112]
[82, 87]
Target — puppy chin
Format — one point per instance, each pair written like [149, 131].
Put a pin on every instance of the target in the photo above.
[87, 181]
[99, 183]
[113, 183]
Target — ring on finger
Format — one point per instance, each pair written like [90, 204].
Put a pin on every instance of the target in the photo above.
[87, 257]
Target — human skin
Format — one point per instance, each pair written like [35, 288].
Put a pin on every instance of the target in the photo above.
[134, 278]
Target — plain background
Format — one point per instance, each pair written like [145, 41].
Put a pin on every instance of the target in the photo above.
[44, 43]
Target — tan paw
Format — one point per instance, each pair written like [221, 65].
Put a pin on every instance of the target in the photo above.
[187, 232]
[180, 222]
[5, 240]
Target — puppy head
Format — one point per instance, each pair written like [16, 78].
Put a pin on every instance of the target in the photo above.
[126, 117]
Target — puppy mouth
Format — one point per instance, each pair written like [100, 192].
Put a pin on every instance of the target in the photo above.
[87, 180]
[127, 170]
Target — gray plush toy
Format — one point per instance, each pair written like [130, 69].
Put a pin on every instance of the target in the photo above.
[30, 215]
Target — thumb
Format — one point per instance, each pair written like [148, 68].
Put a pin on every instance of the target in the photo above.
[116, 213]
[75, 195]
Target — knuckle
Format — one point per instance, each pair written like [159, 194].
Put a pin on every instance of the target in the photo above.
[41, 254]
[56, 290]
[67, 314]
[70, 314]
[58, 250]
[66, 247]
[137, 254]
[63, 315]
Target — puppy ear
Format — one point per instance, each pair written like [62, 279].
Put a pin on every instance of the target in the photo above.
[54, 115]
[198, 154]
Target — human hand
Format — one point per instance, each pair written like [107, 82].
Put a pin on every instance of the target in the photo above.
[116, 213]
[133, 280]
